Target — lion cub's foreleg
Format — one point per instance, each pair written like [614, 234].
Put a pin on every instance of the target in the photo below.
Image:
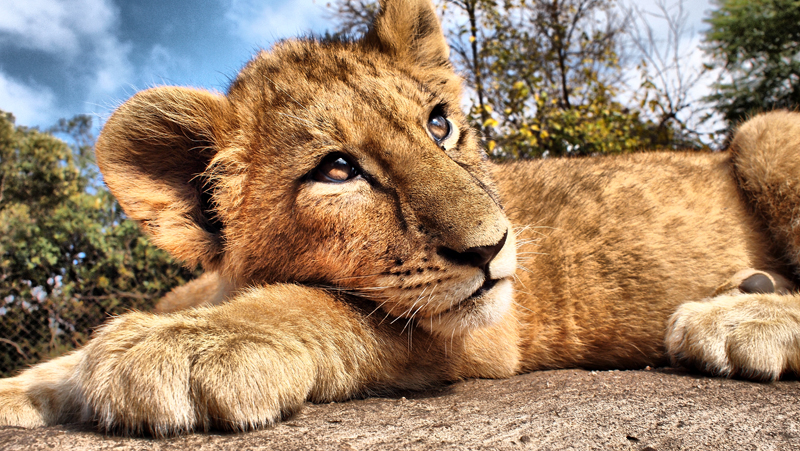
[236, 366]
[42, 395]
[756, 336]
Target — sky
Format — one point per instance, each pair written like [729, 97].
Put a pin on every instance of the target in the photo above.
[59, 58]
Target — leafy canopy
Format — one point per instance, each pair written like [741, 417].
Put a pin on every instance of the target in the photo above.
[757, 44]
[68, 256]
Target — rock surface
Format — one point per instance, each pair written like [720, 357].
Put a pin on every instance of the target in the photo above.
[549, 410]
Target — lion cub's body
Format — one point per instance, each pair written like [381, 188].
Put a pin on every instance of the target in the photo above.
[615, 245]
[357, 240]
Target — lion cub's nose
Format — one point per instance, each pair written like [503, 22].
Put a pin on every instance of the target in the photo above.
[478, 256]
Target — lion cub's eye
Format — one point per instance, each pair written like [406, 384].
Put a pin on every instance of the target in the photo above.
[438, 125]
[335, 168]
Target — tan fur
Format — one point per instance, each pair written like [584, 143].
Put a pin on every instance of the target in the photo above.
[411, 273]
[207, 290]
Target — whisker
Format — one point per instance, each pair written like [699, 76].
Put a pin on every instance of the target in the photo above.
[524, 269]
[384, 318]
[410, 308]
[533, 229]
[518, 279]
[357, 277]
[522, 306]
[423, 305]
[371, 288]
[452, 337]
[377, 308]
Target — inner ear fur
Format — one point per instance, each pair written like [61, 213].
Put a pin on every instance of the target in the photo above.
[154, 153]
[409, 29]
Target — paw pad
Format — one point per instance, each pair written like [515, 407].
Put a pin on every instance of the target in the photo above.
[757, 283]
[753, 281]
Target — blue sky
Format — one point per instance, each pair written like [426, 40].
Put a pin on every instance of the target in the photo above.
[59, 58]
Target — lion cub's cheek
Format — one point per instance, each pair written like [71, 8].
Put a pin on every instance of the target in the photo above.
[345, 224]
[334, 206]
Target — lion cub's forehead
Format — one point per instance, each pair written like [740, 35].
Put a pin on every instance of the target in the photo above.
[314, 80]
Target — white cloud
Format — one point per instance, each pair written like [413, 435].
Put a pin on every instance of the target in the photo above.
[161, 62]
[54, 26]
[114, 69]
[81, 36]
[30, 104]
[261, 23]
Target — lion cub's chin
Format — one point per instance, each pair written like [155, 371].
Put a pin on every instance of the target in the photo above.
[481, 310]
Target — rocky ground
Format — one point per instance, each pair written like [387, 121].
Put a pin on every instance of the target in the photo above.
[550, 410]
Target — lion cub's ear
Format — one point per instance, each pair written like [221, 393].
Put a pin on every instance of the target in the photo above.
[409, 28]
[154, 152]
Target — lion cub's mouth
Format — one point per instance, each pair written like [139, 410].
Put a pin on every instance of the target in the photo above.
[473, 300]
[487, 285]
[485, 306]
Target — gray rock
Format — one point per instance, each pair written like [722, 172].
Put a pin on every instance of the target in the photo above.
[659, 410]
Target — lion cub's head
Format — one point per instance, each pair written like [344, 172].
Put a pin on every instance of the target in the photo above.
[346, 165]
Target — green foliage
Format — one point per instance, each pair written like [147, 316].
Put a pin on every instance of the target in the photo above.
[68, 256]
[542, 127]
[757, 43]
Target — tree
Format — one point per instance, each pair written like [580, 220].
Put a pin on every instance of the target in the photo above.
[665, 92]
[757, 43]
[353, 17]
[68, 256]
[554, 71]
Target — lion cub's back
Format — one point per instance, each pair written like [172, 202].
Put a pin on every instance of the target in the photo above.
[611, 246]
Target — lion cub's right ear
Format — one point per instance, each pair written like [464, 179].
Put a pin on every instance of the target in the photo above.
[411, 29]
[154, 153]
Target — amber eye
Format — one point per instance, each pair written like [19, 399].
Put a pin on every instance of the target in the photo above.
[335, 168]
[438, 125]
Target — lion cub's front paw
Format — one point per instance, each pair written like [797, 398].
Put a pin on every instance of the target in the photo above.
[756, 336]
[166, 375]
[134, 378]
[16, 408]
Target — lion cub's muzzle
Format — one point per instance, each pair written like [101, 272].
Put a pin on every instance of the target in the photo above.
[450, 291]
[483, 296]
[477, 256]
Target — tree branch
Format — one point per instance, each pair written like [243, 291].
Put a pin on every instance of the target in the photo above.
[16, 346]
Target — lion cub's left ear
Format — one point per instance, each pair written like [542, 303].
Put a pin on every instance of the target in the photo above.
[409, 28]
[154, 153]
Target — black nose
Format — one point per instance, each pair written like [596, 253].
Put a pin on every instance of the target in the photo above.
[478, 256]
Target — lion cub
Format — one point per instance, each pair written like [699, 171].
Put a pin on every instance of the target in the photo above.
[365, 243]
